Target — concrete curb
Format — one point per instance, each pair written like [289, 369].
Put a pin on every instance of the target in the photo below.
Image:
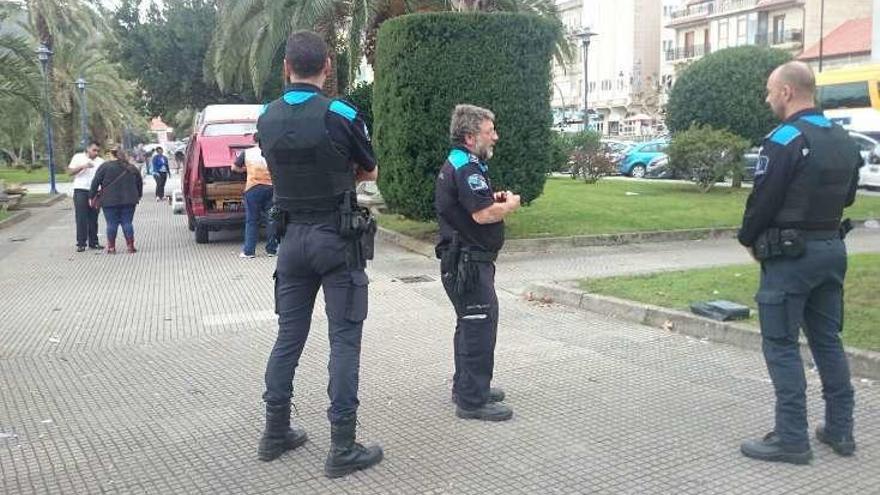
[560, 243]
[16, 217]
[550, 243]
[51, 200]
[406, 242]
[862, 363]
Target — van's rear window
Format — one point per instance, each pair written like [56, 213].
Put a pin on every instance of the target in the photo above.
[846, 95]
[233, 129]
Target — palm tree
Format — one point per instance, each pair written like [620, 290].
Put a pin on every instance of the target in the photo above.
[251, 36]
[251, 33]
[86, 58]
[19, 74]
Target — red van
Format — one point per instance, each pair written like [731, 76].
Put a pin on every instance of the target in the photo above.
[212, 192]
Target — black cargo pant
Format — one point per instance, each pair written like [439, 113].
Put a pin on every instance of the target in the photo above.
[476, 328]
[86, 219]
[313, 256]
[808, 292]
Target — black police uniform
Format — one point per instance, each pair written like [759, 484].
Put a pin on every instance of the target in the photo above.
[463, 187]
[311, 144]
[807, 172]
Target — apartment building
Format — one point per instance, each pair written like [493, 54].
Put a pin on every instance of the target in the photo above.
[624, 66]
[704, 26]
[568, 79]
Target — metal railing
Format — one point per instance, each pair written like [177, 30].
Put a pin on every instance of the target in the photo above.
[687, 52]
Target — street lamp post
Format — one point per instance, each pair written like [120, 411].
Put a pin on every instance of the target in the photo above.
[44, 54]
[584, 36]
[821, 31]
[83, 115]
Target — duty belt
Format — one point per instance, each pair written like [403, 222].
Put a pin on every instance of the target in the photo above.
[468, 254]
[329, 217]
[819, 235]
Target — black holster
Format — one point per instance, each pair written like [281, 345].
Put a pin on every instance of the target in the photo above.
[357, 225]
[845, 226]
[779, 243]
[281, 219]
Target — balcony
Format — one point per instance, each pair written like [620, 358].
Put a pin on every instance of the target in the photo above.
[715, 8]
[688, 52]
[788, 37]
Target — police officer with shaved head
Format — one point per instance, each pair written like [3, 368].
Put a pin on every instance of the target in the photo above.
[317, 149]
[807, 173]
[471, 217]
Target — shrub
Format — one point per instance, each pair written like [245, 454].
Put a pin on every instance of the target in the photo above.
[560, 151]
[726, 89]
[428, 63]
[706, 155]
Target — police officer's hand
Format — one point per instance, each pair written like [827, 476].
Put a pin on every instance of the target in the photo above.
[362, 175]
[512, 200]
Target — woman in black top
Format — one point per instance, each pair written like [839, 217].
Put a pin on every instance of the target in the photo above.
[121, 188]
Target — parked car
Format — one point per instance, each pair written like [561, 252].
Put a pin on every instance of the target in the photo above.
[615, 150]
[635, 162]
[869, 174]
[658, 168]
[212, 192]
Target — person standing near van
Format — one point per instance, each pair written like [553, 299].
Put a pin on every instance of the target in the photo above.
[160, 172]
[121, 188]
[317, 150]
[257, 200]
[83, 167]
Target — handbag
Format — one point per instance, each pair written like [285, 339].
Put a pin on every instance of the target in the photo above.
[95, 202]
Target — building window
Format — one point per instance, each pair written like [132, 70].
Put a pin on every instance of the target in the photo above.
[741, 31]
[723, 33]
[778, 29]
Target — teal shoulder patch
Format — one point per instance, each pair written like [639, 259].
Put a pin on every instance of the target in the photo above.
[340, 107]
[297, 97]
[785, 134]
[817, 120]
[458, 159]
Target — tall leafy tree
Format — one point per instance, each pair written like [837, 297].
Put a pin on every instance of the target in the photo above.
[249, 41]
[165, 50]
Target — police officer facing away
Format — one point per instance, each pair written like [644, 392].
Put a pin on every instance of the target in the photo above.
[807, 173]
[317, 148]
[471, 217]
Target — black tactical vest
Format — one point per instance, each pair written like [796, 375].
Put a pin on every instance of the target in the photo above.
[815, 198]
[309, 174]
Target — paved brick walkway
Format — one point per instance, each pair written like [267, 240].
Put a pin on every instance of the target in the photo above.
[143, 374]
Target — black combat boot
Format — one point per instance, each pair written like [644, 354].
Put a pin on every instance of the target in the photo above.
[495, 395]
[843, 445]
[347, 456]
[279, 435]
[771, 448]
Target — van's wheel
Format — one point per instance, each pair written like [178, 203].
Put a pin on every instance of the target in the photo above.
[191, 223]
[201, 234]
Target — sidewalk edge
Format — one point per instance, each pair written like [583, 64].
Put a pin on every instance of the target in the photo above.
[862, 363]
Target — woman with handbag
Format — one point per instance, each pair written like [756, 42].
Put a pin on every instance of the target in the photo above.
[117, 188]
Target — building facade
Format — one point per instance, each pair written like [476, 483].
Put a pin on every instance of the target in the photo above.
[568, 78]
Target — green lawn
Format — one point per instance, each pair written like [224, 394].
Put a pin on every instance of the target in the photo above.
[570, 207]
[4, 214]
[35, 176]
[739, 283]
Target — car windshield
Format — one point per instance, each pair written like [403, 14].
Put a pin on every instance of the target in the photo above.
[230, 129]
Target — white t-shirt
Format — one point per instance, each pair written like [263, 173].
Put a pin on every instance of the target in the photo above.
[83, 180]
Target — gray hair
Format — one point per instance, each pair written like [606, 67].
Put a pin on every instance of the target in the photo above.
[466, 120]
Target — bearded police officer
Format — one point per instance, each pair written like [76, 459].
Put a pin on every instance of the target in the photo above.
[317, 149]
[807, 173]
[471, 217]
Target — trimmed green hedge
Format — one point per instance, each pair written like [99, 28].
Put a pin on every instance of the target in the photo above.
[428, 63]
[726, 90]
